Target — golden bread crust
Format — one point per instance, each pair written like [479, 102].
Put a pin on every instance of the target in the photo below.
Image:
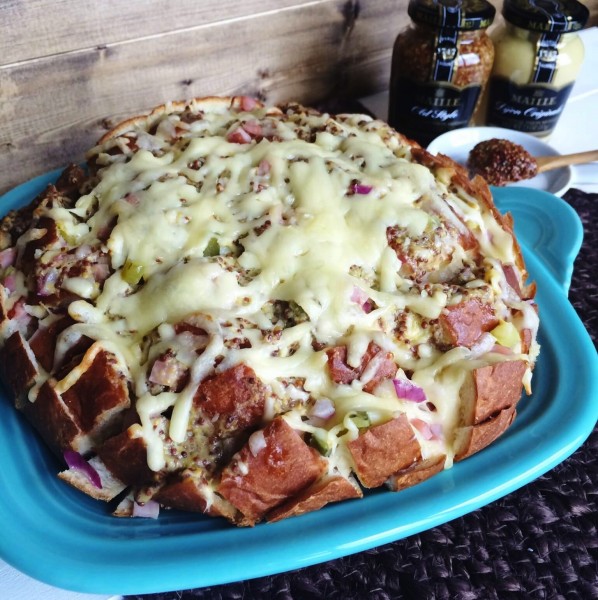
[252, 312]
[384, 450]
[331, 488]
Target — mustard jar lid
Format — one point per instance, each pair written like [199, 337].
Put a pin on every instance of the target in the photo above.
[554, 16]
[452, 14]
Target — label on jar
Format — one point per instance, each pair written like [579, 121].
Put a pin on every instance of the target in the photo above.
[424, 111]
[547, 54]
[531, 108]
[445, 54]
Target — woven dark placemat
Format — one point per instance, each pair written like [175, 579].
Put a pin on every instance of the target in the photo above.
[540, 542]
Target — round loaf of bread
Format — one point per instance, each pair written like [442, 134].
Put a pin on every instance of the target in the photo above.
[251, 312]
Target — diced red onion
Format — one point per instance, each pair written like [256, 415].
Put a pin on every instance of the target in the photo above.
[7, 257]
[148, 510]
[483, 345]
[263, 168]
[429, 431]
[422, 427]
[10, 282]
[75, 461]
[323, 409]
[408, 390]
[361, 189]
[358, 295]
[248, 103]
[437, 431]
[100, 271]
[368, 306]
[361, 298]
[45, 281]
[257, 442]
[316, 422]
[132, 199]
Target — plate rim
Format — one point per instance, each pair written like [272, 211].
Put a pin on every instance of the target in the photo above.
[508, 134]
[144, 575]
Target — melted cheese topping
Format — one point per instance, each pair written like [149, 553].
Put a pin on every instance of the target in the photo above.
[328, 218]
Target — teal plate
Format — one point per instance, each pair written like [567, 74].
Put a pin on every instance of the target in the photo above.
[56, 534]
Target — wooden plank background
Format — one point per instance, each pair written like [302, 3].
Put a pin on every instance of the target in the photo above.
[70, 69]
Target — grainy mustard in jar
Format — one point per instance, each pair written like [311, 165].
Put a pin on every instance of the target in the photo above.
[440, 65]
[538, 56]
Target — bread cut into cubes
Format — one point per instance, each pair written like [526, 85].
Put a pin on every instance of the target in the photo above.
[82, 409]
[254, 312]
[489, 396]
[330, 488]
[264, 474]
[416, 473]
[383, 450]
[110, 487]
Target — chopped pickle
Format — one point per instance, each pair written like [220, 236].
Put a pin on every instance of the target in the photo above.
[71, 240]
[132, 272]
[506, 334]
[289, 312]
[213, 248]
[320, 443]
[361, 419]
[433, 223]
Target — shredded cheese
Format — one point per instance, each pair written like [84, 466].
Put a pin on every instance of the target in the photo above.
[200, 229]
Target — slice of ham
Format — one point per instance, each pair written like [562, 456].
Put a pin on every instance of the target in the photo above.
[238, 136]
[284, 465]
[168, 371]
[464, 323]
[375, 359]
[248, 103]
[253, 128]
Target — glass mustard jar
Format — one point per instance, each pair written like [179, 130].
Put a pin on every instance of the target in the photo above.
[538, 56]
[440, 65]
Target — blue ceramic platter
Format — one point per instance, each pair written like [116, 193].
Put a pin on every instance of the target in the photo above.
[58, 535]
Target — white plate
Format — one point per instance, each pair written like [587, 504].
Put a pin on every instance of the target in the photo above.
[458, 143]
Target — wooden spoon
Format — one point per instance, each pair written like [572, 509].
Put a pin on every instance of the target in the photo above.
[547, 163]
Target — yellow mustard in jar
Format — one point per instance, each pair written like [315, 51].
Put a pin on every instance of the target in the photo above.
[537, 57]
[440, 65]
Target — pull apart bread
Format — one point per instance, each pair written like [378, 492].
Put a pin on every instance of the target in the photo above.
[251, 312]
